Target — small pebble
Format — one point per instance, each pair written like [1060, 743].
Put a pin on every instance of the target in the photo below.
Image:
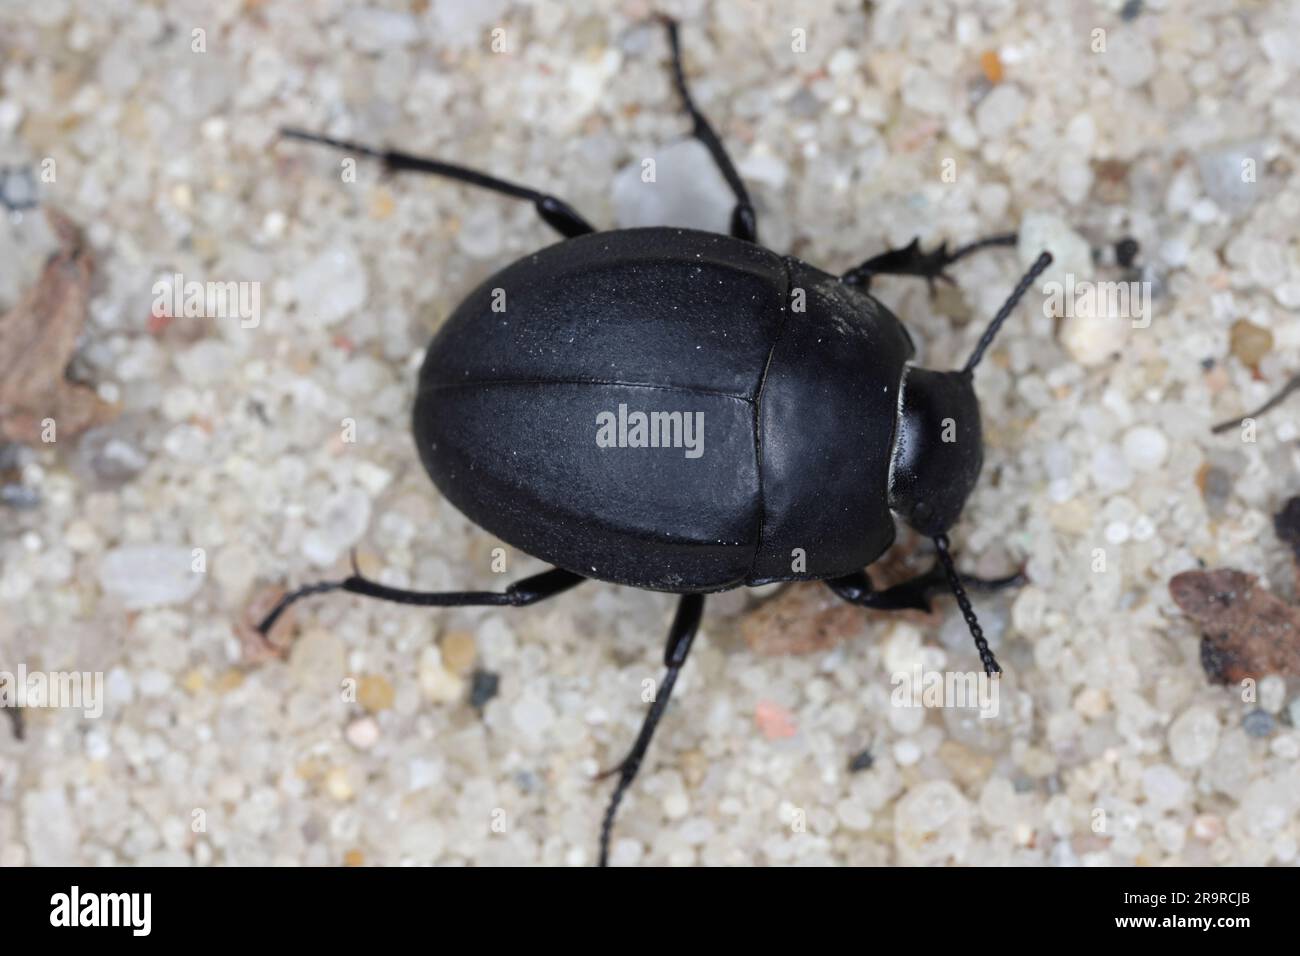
[1164, 787]
[458, 651]
[330, 286]
[532, 715]
[375, 693]
[1249, 343]
[1207, 827]
[1272, 693]
[316, 660]
[687, 190]
[906, 753]
[999, 112]
[337, 784]
[774, 721]
[1193, 736]
[1258, 723]
[149, 575]
[1092, 702]
[861, 761]
[1129, 58]
[1145, 447]
[483, 687]
[932, 824]
[440, 685]
[1220, 171]
[363, 733]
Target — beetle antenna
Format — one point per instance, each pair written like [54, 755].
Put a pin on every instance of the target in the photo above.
[1037, 269]
[959, 592]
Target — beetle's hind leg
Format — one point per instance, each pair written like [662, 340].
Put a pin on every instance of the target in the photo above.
[911, 261]
[555, 212]
[680, 636]
[915, 593]
[744, 224]
[528, 591]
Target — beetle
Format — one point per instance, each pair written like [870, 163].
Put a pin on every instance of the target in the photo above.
[690, 412]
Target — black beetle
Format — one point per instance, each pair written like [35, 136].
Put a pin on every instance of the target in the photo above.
[564, 406]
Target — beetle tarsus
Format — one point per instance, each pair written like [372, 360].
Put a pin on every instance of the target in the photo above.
[912, 261]
[680, 636]
[555, 212]
[520, 594]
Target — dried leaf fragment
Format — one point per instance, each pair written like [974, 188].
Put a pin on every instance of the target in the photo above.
[37, 339]
[1247, 631]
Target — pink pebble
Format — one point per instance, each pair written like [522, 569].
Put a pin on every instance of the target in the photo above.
[774, 721]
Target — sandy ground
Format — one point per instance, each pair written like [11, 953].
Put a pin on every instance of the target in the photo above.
[251, 449]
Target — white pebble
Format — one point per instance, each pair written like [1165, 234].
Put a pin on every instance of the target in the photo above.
[363, 733]
[1272, 693]
[1110, 470]
[1145, 447]
[330, 286]
[999, 112]
[148, 575]
[906, 753]
[1129, 57]
[1193, 736]
[1163, 786]
[687, 190]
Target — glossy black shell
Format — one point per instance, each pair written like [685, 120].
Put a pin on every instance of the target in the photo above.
[797, 376]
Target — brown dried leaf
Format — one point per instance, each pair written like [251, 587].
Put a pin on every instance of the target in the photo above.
[808, 617]
[1248, 632]
[37, 339]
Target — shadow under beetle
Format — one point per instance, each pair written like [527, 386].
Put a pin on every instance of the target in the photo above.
[817, 432]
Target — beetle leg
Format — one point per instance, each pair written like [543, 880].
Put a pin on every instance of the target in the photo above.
[528, 591]
[556, 213]
[744, 224]
[680, 636]
[911, 261]
[913, 594]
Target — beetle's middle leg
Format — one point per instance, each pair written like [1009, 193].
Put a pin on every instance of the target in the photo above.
[680, 636]
[528, 591]
[555, 212]
[744, 224]
[911, 261]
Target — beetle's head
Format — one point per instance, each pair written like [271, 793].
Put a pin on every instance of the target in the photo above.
[938, 446]
[938, 449]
